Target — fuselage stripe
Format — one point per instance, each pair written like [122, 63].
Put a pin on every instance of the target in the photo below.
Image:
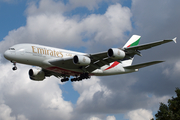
[113, 65]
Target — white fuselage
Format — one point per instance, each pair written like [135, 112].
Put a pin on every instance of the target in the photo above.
[38, 55]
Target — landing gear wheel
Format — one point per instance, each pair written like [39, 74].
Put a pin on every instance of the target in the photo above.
[64, 80]
[14, 68]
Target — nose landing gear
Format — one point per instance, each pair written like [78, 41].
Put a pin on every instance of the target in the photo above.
[15, 67]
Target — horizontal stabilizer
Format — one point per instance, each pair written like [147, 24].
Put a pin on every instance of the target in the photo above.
[142, 65]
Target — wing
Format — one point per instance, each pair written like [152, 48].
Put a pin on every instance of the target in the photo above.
[131, 51]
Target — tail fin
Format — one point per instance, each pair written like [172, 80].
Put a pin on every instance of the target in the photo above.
[133, 41]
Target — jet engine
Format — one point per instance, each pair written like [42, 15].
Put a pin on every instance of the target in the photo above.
[81, 60]
[116, 53]
[36, 74]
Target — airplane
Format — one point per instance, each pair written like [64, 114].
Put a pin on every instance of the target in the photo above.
[66, 64]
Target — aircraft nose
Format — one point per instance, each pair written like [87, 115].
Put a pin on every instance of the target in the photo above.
[7, 54]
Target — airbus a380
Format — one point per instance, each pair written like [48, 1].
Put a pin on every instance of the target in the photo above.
[64, 63]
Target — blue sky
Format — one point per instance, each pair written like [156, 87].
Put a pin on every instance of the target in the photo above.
[91, 26]
[12, 16]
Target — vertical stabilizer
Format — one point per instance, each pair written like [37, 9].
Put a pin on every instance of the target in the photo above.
[133, 41]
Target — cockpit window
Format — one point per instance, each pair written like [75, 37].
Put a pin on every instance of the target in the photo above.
[11, 48]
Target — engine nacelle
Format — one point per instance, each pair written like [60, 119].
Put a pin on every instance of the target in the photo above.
[116, 53]
[81, 60]
[36, 74]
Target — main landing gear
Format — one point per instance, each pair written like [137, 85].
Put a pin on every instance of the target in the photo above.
[15, 67]
[80, 78]
[64, 79]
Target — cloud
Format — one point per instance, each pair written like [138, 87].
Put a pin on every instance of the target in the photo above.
[88, 89]
[28, 99]
[94, 31]
[108, 29]
[114, 94]
[9, 1]
[90, 4]
[139, 114]
[5, 112]
[43, 100]
[177, 67]
[157, 24]
[94, 118]
[110, 118]
[45, 7]
[97, 118]
[135, 95]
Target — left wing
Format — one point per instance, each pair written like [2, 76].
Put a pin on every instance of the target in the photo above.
[135, 49]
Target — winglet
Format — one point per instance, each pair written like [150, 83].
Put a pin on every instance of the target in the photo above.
[174, 39]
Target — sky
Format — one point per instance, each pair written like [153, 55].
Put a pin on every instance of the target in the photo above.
[89, 26]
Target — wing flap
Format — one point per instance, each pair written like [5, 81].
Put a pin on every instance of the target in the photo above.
[142, 65]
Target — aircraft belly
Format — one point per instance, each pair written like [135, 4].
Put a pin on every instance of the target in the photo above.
[67, 72]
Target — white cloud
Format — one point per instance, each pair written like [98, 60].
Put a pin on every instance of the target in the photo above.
[107, 118]
[177, 67]
[5, 112]
[57, 30]
[139, 114]
[108, 29]
[24, 98]
[172, 69]
[88, 88]
[110, 118]
[45, 7]
[94, 118]
[21, 117]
